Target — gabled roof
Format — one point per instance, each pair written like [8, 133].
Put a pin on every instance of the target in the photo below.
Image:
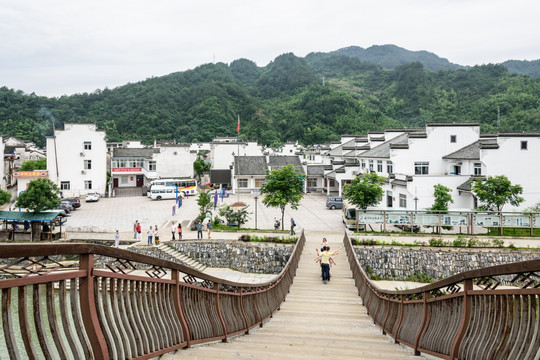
[315, 170]
[250, 165]
[382, 151]
[472, 151]
[467, 185]
[277, 162]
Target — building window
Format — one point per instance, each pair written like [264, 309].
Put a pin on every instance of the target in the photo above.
[523, 145]
[363, 164]
[312, 182]
[124, 179]
[421, 168]
[389, 167]
[87, 145]
[457, 170]
[65, 185]
[152, 166]
[453, 138]
[88, 184]
[87, 164]
[477, 169]
[242, 183]
[259, 183]
[402, 200]
[379, 166]
[370, 165]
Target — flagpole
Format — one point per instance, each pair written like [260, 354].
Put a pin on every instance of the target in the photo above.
[238, 144]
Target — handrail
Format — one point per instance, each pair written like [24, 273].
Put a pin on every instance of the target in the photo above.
[138, 307]
[466, 316]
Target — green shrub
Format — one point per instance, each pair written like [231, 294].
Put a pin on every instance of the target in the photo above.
[460, 241]
[497, 243]
[436, 242]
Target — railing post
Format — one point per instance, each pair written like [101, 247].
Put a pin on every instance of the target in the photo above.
[243, 310]
[467, 308]
[401, 308]
[218, 308]
[175, 275]
[88, 308]
[423, 324]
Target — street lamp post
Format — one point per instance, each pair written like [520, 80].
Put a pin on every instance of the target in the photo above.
[256, 198]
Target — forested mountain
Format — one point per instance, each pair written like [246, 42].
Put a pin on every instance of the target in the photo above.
[312, 100]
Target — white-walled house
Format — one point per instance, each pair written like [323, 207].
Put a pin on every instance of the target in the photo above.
[175, 161]
[77, 159]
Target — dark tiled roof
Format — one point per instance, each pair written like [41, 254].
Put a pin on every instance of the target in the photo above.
[467, 185]
[315, 170]
[472, 151]
[382, 151]
[399, 182]
[133, 152]
[250, 165]
[276, 162]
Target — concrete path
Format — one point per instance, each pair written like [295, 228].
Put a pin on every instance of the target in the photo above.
[316, 321]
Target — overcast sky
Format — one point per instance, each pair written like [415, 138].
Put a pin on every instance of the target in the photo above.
[57, 47]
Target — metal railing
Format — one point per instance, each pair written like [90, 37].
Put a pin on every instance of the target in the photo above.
[466, 316]
[125, 305]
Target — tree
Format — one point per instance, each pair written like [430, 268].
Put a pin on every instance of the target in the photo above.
[205, 204]
[237, 217]
[200, 166]
[4, 197]
[443, 197]
[29, 165]
[41, 194]
[283, 187]
[364, 191]
[495, 191]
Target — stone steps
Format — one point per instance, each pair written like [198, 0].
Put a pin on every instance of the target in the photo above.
[316, 321]
[184, 259]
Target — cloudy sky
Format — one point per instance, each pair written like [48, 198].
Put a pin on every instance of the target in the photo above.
[57, 47]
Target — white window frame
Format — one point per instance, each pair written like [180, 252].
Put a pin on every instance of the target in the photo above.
[88, 184]
[242, 183]
[371, 165]
[390, 167]
[402, 200]
[421, 167]
[477, 169]
[87, 145]
[379, 166]
[88, 164]
[65, 185]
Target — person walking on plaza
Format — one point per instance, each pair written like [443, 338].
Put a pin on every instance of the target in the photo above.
[156, 235]
[199, 229]
[209, 227]
[135, 229]
[293, 224]
[150, 234]
[116, 239]
[179, 230]
[173, 230]
[138, 229]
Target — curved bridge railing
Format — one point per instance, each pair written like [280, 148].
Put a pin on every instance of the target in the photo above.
[125, 305]
[467, 316]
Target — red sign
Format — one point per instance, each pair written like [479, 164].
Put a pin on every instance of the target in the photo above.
[37, 173]
[126, 169]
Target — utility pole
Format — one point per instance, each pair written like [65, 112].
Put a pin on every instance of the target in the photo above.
[498, 117]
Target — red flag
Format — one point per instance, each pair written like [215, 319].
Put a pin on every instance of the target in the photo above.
[238, 125]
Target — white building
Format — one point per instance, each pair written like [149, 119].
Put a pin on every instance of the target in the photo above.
[77, 159]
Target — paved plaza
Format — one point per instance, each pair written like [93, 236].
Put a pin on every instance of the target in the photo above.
[110, 214]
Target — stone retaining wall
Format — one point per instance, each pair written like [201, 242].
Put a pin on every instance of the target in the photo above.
[401, 263]
[266, 258]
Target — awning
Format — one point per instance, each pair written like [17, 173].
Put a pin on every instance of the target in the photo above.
[30, 216]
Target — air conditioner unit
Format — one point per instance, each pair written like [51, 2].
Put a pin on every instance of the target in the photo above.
[83, 172]
[82, 153]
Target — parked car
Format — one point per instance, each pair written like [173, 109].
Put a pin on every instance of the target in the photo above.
[75, 202]
[65, 206]
[219, 192]
[334, 202]
[93, 196]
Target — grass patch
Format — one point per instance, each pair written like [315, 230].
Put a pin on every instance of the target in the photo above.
[272, 239]
[513, 231]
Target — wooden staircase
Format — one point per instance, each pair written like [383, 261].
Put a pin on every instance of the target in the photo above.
[316, 321]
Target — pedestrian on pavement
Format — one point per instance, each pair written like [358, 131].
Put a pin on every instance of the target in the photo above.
[293, 224]
[199, 229]
[325, 257]
[209, 227]
[179, 230]
[150, 234]
[135, 229]
[156, 235]
[324, 242]
[138, 229]
[116, 239]
[173, 230]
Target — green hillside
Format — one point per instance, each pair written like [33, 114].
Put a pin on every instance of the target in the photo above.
[286, 101]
